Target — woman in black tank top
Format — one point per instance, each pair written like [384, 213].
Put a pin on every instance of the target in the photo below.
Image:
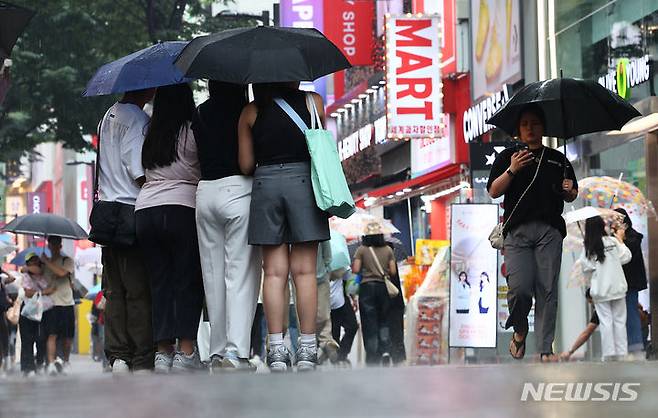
[284, 218]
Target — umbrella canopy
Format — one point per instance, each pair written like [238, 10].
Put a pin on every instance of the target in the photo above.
[19, 260]
[262, 55]
[6, 249]
[13, 20]
[355, 225]
[399, 250]
[575, 221]
[571, 107]
[45, 224]
[148, 68]
[607, 191]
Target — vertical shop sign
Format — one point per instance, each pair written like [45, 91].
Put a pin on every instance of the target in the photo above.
[349, 25]
[414, 95]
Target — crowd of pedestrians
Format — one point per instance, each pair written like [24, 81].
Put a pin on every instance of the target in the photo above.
[223, 202]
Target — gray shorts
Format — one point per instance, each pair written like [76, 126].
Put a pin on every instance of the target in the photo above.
[283, 208]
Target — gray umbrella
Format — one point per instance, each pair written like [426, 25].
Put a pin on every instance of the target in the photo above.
[46, 224]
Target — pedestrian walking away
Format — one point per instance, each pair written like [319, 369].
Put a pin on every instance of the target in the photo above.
[231, 267]
[284, 218]
[59, 322]
[535, 184]
[636, 278]
[342, 314]
[34, 333]
[166, 229]
[128, 327]
[603, 258]
[374, 302]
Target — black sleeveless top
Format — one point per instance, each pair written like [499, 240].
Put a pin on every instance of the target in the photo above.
[277, 139]
[215, 129]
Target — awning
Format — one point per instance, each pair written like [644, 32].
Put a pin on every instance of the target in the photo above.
[639, 126]
[444, 178]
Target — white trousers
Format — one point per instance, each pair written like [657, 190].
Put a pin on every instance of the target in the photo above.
[231, 267]
[612, 317]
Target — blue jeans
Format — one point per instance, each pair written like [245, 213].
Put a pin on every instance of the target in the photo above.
[633, 323]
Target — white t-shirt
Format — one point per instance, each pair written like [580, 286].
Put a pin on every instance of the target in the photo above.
[122, 136]
[336, 295]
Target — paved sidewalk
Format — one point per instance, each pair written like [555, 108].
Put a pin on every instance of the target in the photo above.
[454, 391]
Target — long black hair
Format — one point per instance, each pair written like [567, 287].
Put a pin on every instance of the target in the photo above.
[465, 278]
[173, 107]
[594, 233]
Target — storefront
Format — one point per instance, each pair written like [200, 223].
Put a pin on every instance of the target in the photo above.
[616, 44]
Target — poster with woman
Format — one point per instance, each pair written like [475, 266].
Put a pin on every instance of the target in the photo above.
[473, 276]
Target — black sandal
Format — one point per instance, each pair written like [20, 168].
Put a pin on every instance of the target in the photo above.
[518, 346]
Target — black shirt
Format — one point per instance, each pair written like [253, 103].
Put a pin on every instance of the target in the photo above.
[544, 201]
[636, 275]
[216, 133]
[277, 139]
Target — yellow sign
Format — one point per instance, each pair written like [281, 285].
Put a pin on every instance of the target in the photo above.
[426, 250]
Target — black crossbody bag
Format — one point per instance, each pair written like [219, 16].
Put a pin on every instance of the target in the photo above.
[112, 223]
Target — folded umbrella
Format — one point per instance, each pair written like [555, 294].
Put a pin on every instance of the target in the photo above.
[13, 20]
[46, 224]
[148, 68]
[262, 55]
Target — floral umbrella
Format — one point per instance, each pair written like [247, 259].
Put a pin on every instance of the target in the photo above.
[604, 192]
[355, 225]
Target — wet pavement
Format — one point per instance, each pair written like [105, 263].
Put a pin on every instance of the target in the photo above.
[453, 391]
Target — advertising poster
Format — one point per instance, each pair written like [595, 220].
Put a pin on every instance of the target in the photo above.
[473, 276]
[496, 44]
[426, 250]
[414, 97]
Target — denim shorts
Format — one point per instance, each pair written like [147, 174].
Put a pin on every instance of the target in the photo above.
[283, 208]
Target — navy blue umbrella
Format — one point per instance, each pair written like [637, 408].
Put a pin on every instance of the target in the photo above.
[151, 67]
[19, 260]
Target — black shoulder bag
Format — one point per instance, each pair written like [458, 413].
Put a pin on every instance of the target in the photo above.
[112, 223]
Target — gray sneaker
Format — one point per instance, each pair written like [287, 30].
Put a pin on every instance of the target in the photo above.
[215, 364]
[237, 364]
[278, 358]
[163, 362]
[184, 363]
[306, 358]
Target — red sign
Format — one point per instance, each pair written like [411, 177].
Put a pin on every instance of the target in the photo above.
[446, 11]
[413, 77]
[349, 25]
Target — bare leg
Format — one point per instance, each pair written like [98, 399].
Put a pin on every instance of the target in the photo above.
[51, 345]
[66, 348]
[303, 260]
[187, 346]
[275, 265]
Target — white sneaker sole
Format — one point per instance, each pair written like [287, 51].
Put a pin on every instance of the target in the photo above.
[306, 366]
[278, 367]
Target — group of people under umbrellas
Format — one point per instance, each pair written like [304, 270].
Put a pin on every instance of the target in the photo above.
[219, 194]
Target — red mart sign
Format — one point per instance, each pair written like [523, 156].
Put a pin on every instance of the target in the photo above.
[349, 25]
[414, 97]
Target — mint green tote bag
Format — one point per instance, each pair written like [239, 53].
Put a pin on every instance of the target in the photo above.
[332, 194]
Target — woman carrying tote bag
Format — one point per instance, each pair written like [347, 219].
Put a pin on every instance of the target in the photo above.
[375, 261]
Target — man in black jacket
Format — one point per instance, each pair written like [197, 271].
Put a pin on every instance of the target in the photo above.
[636, 277]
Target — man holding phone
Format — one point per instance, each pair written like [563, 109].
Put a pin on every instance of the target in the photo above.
[535, 181]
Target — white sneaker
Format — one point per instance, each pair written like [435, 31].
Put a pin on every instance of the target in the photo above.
[163, 362]
[51, 370]
[120, 367]
[66, 368]
[184, 363]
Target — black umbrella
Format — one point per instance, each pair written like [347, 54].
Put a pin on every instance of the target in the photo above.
[571, 107]
[262, 55]
[399, 250]
[46, 224]
[13, 20]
